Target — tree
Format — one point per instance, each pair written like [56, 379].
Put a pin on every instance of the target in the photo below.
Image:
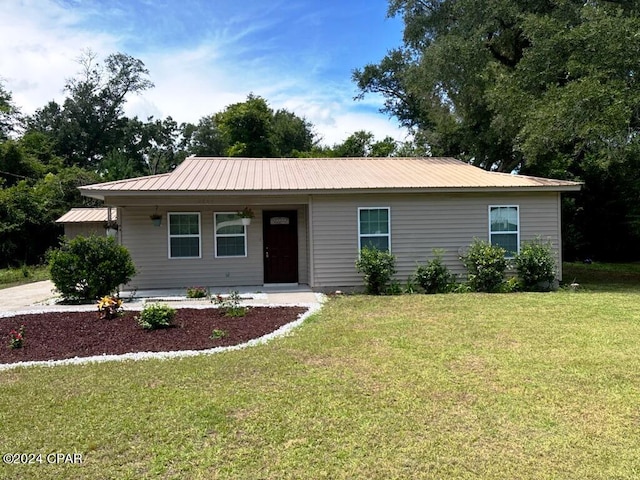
[252, 129]
[292, 134]
[544, 88]
[364, 144]
[204, 139]
[357, 144]
[9, 114]
[91, 121]
[247, 128]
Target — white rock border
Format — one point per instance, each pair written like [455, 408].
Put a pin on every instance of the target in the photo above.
[280, 332]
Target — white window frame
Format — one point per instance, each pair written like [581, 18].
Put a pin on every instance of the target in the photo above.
[170, 236]
[517, 232]
[369, 235]
[216, 235]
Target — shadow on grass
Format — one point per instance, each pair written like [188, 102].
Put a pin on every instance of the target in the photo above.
[603, 277]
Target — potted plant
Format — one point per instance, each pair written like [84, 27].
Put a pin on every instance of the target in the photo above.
[156, 219]
[246, 214]
[111, 227]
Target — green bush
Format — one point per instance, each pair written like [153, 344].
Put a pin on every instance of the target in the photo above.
[536, 266]
[87, 268]
[485, 265]
[434, 277]
[197, 292]
[156, 316]
[378, 268]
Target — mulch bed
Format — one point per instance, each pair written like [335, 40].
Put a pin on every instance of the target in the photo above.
[61, 335]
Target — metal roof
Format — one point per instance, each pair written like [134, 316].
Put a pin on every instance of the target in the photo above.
[82, 215]
[317, 175]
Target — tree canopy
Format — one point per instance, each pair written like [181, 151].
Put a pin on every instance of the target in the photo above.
[546, 88]
[249, 129]
[88, 139]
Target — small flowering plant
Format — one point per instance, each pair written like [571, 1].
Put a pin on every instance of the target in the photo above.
[246, 212]
[109, 307]
[16, 338]
[230, 305]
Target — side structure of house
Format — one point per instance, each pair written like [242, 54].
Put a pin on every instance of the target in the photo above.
[87, 221]
[312, 216]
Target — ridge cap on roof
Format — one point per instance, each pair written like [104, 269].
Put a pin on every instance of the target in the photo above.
[205, 158]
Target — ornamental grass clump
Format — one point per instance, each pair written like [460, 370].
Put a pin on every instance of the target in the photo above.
[156, 316]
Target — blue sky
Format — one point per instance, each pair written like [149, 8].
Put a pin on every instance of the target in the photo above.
[203, 55]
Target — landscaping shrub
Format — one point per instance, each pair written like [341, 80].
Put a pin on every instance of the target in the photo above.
[485, 265]
[156, 316]
[87, 267]
[378, 268]
[197, 292]
[536, 266]
[394, 288]
[218, 334]
[434, 277]
[230, 305]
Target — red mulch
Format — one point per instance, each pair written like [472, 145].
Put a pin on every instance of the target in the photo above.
[60, 335]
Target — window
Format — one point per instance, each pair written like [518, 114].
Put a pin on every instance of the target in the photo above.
[184, 235]
[504, 228]
[231, 235]
[374, 228]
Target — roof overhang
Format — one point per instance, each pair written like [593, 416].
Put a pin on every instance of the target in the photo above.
[102, 194]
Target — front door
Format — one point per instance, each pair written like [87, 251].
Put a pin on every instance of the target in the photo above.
[280, 233]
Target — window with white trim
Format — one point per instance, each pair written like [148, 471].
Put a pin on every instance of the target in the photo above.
[184, 235]
[374, 228]
[504, 228]
[230, 235]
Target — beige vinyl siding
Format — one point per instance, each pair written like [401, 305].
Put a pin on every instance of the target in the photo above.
[72, 230]
[148, 246]
[420, 223]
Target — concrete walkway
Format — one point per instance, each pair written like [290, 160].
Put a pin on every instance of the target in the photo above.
[24, 296]
[40, 296]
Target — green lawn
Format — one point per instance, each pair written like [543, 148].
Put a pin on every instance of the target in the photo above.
[603, 276]
[12, 277]
[504, 386]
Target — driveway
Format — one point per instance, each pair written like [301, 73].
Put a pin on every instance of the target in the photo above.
[23, 296]
[30, 295]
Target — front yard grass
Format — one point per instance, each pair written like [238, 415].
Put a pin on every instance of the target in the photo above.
[12, 277]
[463, 386]
[603, 276]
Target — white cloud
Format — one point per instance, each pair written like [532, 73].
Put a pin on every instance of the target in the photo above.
[39, 45]
[40, 42]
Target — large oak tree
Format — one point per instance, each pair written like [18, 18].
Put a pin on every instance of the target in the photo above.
[546, 87]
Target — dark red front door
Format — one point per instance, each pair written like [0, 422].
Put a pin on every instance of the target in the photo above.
[280, 233]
